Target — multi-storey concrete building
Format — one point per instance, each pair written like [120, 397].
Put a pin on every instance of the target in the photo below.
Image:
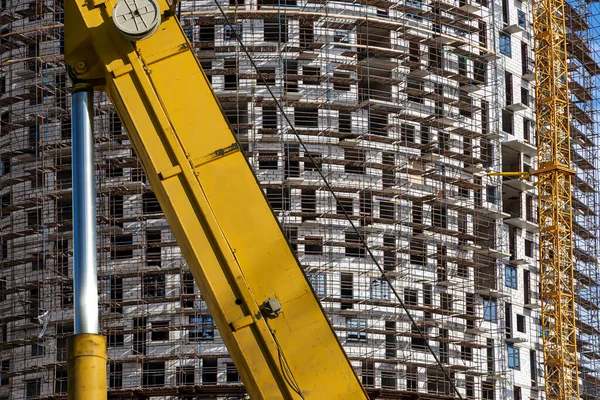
[404, 105]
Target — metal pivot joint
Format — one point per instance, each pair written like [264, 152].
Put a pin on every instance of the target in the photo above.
[136, 19]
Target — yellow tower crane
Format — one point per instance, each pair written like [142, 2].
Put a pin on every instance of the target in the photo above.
[557, 289]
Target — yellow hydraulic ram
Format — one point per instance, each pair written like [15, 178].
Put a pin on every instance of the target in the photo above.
[263, 306]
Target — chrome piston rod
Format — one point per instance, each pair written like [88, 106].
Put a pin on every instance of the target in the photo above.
[85, 284]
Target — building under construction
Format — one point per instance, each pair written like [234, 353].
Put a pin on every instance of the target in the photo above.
[406, 106]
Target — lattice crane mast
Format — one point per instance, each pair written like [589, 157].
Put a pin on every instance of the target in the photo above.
[557, 290]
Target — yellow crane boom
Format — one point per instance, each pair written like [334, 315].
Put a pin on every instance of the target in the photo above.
[557, 289]
[265, 310]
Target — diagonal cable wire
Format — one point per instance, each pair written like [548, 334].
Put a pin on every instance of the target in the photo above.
[330, 189]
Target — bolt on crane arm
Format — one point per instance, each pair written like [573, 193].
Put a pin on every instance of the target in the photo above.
[265, 310]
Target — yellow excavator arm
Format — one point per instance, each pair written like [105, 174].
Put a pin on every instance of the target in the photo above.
[270, 320]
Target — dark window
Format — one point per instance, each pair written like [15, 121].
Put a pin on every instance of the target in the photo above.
[268, 160]
[446, 301]
[139, 335]
[116, 206]
[521, 323]
[469, 386]
[345, 204]
[187, 290]
[368, 373]
[279, 198]
[355, 160]
[269, 117]
[231, 74]
[466, 353]
[67, 295]
[232, 373]
[115, 375]
[311, 71]
[122, 246]
[527, 287]
[116, 338]
[388, 380]
[487, 390]
[153, 374]
[416, 341]
[389, 252]
[491, 194]
[341, 81]
[528, 248]
[33, 388]
[508, 87]
[309, 165]
[313, 245]
[527, 130]
[153, 249]
[411, 297]
[309, 204]
[388, 171]
[184, 375]
[533, 367]
[346, 290]
[412, 378]
[290, 68]
[265, 76]
[209, 371]
[150, 204]
[407, 133]
[390, 339]
[387, 210]
[65, 129]
[112, 170]
[440, 216]
[276, 31]
[345, 122]
[207, 34]
[5, 163]
[60, 380]
[116, 294]
[154, 285]
[525, 96]
[4, 369]
[160, 330]
[354, 246]
[508, 121]
[427, 295]
[306, 117]
[307, 33]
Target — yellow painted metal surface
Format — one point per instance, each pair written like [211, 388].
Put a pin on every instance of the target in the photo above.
[228, 234]
[554, 173]
[86, 367]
